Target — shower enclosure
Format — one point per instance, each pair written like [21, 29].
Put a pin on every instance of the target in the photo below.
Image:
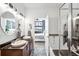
[69, 29]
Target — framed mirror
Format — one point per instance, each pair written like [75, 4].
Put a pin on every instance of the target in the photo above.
[8, 23]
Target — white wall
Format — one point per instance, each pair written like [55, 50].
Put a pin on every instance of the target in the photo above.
[33, 13]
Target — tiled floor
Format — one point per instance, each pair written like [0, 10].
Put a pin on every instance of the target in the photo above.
[39, 46]
[39, 49]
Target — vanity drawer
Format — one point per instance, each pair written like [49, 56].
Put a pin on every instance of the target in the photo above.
[11, 52]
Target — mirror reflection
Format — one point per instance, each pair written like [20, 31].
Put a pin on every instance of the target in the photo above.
[8, 23]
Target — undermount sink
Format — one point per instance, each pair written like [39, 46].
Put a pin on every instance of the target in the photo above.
[26, 37]
[18, 43]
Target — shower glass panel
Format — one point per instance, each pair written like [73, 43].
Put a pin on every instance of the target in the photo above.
[69, 30]
[75, 34]
[64, 42]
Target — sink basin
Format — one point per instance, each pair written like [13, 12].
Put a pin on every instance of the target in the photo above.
[26, 37]
[18, 43]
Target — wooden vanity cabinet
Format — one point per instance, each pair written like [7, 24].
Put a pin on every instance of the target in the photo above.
[0, 52]
[9, 51]
[30, 41]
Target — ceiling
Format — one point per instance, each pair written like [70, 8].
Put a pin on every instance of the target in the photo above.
[41, 5]
[22, 7]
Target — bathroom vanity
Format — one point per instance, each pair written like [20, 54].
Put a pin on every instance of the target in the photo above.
[24, 50]
[11, 24]
[11, 51]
